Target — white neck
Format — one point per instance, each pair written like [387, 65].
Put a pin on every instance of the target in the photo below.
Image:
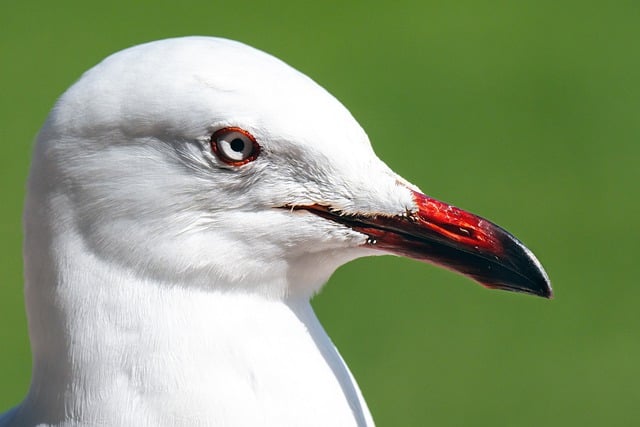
[112, 349]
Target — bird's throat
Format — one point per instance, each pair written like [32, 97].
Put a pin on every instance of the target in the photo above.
[167, 352]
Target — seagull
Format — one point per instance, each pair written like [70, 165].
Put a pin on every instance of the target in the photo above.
[186, 199]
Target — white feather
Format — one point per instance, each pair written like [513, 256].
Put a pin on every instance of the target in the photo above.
[166, 288]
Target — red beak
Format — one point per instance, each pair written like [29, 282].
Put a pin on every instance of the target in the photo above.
[444, 235]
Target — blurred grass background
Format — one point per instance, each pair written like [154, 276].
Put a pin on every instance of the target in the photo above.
[523, 112]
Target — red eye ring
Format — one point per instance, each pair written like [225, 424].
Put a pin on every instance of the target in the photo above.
[234, 146]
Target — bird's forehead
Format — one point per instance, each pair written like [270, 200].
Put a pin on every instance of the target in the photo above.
[255, 89]
[189, 86]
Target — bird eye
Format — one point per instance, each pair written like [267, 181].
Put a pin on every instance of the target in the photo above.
[234, 146]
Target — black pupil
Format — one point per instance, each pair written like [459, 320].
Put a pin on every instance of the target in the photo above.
[237, 145]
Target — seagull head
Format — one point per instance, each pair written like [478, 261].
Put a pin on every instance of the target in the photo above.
[204, 162]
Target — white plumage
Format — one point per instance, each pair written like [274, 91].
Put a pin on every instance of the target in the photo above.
[166, 285]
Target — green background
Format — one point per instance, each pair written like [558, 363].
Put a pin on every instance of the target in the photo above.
[525, 112]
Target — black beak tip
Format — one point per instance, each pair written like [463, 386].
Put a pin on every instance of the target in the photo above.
[527, 274]
[543, 290]
[546, 291]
